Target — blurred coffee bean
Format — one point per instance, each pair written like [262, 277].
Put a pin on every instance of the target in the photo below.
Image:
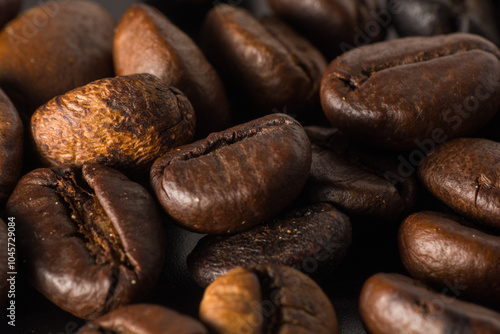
[91, 242]
[8, 10]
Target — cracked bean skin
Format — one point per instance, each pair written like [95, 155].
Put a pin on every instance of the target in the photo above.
[267, 299]
[8, 10]
[394, 304]
[464, 174]
[144, 319]
[403, 93]
[234, 179]
[91, 242]
[441, 250]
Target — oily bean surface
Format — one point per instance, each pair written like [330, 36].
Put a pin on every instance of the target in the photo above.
[393, 304]
[72, 48]
[284, 299]
[437, 249]
[234, 179]
[313, 239]
[90, 243]
[402, 93]
[125, 122]
[8, 10]
[144, 319]
[464, 174]
[147, 42]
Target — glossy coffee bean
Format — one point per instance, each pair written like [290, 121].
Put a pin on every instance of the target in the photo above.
[235, 179]
[267, 299]
[463, 173]
[91, 242]
[11, 147]
[362, 182]
[404, 93]
[147, 42]
[443, 251]
[335, 26]
[144, 319]
[4, 265]
[8, 10]
[313, 239]
[394, 304]
[125, 122]
[270, 63]
[53, 48]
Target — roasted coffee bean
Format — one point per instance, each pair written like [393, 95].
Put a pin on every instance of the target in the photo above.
[4, 264]
[464, 174]
[90, 243]
[53, 48]
[313, 239]
[443, 251]
[271, 64]
[267, 299]
[8, 10]
[394, 304]
[235, 179]
[362, 182]
[436, 17]
[144, 319]
[413, 92]
[335, 26]
[11, 147]
[147, 42]
[125, 122]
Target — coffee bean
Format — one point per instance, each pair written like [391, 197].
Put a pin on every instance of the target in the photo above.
[125, 122]
[144, 319]
[394, 304]
[440, 250]
[313, 239]
[146, 41]
[404, 93]
[274, 67]
[4, 265]
[90, 243]
[8, 10]
[267, 299]
[53, 48]
[235, 179]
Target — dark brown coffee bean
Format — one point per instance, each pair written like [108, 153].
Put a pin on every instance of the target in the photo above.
[362, 182]
[272, 65]
[11, 147]
[8, 10]
[334, 25]
[4, 264]
[235, 179]
[464, 175]
[125, 122]
[403, 93]
[267, 299]
[395, 304]
[147, 42]
[440, 250]
[53, 48]
[313, 239]
[90, 243]
[144, 319]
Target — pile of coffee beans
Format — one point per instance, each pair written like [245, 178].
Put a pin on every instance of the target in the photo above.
[330, 167]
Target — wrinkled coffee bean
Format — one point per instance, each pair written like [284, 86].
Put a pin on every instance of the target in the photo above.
[235, 179]
[53, 48]
[335, 26]
[437, 17]
[272, 65]
[313, 239]
[125, 122]
[90, 243]
[144, 319]
[147, 42]
[267, 299]
[395, 304]
[362, 182]
[438, 249]
[463, 173]
[8, 10]
[11, 147]
[404, 93]
[4, 264]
